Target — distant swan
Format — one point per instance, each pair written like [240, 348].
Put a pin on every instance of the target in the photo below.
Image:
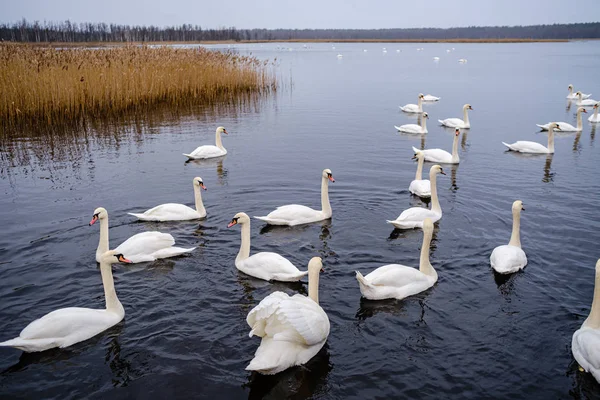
[525, 146]
[177, 212]
[66, 326]
[295, 214]
[442, 156]
[414, 128]
[457, 122]
[209, 151]
[419, 186]
[293, 329]
[414, 217]
[573, 96]
[595, 117]
[396, 281]
[510, 258]
[429, 97]
[414, 108]
[565, 127]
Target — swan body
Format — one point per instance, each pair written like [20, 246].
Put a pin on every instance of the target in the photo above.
[209, 151]
[572, 96]
[295, 214]
[510, 258]
[414, 108]
[585, 102]
[142, 247]
[419, 186]
[415, 216]
[457, 122]
[265, 265]
[174, 211]
[586, 340]
[524, 146]
[293, 329]
[414, 128]
[566, 127]
[462, 60]
[442, 156]
[429, 97]
[595, 117]
[67, 326]
[396, 281]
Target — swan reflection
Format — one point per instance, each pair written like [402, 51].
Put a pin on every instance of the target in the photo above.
[216, 163]
[548, 174]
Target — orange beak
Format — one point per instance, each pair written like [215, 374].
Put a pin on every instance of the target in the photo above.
[124, 260]
[94, 219]
[331, 178]
[232, 223]
[202, 186]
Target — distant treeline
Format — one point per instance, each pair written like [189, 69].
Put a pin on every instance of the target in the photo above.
[26, 31]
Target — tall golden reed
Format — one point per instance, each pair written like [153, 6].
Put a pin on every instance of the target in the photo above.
[48, 86]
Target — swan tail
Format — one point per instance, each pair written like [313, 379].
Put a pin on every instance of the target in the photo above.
[361, 279]
[289, 277]
[397, 128]
[415, 150]
[542, 127]
[507, 145]
[271, 221]
[441, 122]
[273, 356]
[138, 216]
[171, 252]
[31, 345]
[191, 157]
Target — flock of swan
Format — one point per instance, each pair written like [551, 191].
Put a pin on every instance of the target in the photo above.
[294, 328]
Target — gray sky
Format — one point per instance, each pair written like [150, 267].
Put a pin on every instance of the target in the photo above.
[306, 13]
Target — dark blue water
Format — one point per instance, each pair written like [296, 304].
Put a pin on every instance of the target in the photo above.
[184, 335]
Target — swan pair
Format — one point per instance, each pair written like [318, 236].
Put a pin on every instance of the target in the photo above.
[67, 326]
[442, 156]
[414, 217]
[524, 146]
[510, 258]
[457, 122]
[572, 96]
[414, 108]
[209, 151]
[414, 128]
[565, 127]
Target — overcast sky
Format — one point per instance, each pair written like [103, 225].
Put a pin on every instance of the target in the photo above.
[306, 13]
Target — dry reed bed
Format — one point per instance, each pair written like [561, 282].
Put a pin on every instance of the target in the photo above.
[51, 86]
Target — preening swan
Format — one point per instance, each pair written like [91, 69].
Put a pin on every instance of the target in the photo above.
[595, 117]
[265, 265]
[414, 216]
[586, 102]
[209, 151]
[524, 146]
[67, 326]
[457, 122]
[586, 340]
[414, 108]
[419, 186]
[572, 96]
[442, 156]
[175, 211]
[565, 127]
[429, 97]
[293, 329]
[510, 258]
[396, 281]
[414, 128]
[295, 214]
[145, 246]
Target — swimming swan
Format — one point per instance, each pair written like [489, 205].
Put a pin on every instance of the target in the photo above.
[572, 96]
[595, 117]
[442, 156]
[524, 146]
[414, 108]
[419, 186]
[209, 151]
[457, 122]
[565, 127]
[510, 258]
[414, 128]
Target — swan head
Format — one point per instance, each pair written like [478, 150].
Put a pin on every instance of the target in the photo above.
[315, 265]
[418, 155]
[99, 213]
[427, 225]
[425, 115]
[518, 206]
[113, 257]
[570, 87]
[436, 169]
[582, 110]
[239, 218]
[327, 174]
[221, 130]
[421, 96]
[596, 105]
[457, 132]
[467, 107]
[554, 125]
[578, 93]
[198, 182]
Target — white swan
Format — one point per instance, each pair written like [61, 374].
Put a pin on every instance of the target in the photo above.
[462, 60]
[595, 117]
[264, 265]
[175, 211]
[209, 151]
[295, 214]
[510, 258]
[145, 246]
[565, 127]
[419, 186]
[442, 156]
[525, 146]
[457, 122]
[414, 128]
[67, 326]
[414, 108]
[396, 281]
[586, 340]
[414, 216]
[572, 96]
[586, 102]
[293, 329]
[429, 97]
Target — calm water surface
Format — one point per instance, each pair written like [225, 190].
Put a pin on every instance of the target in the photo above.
[472, 335]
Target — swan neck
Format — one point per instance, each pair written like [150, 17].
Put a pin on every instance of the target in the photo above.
[245, 245]
[593, 320]
[198, 198]
[579, 121]
[515, 237]
[424, 264]
[551, 140]
[419, 175]
[596, 113]
[455, 149]
[218, 141]
[435, 203]
[313, 284]
[112, 302]
[466, 116]
[325, 206]
[103, 243]
[420, 104]
[424, 124]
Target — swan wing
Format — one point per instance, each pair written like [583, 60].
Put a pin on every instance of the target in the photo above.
[544, 127]
[411, 108]
[429, 97]
[168, 212]
[437, 155]
[452, 122]
[417, 214]
[420, 187]
[565, 127]
[395, 275]
[292, 214]
[586, 350]
[270, 266]
[206, 151]
[409, 128]
[258, 316]
[507, 259]
[148, 246]
[524, 146]
[304, 321]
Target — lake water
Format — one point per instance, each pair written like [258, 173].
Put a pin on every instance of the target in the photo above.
[472, 335]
